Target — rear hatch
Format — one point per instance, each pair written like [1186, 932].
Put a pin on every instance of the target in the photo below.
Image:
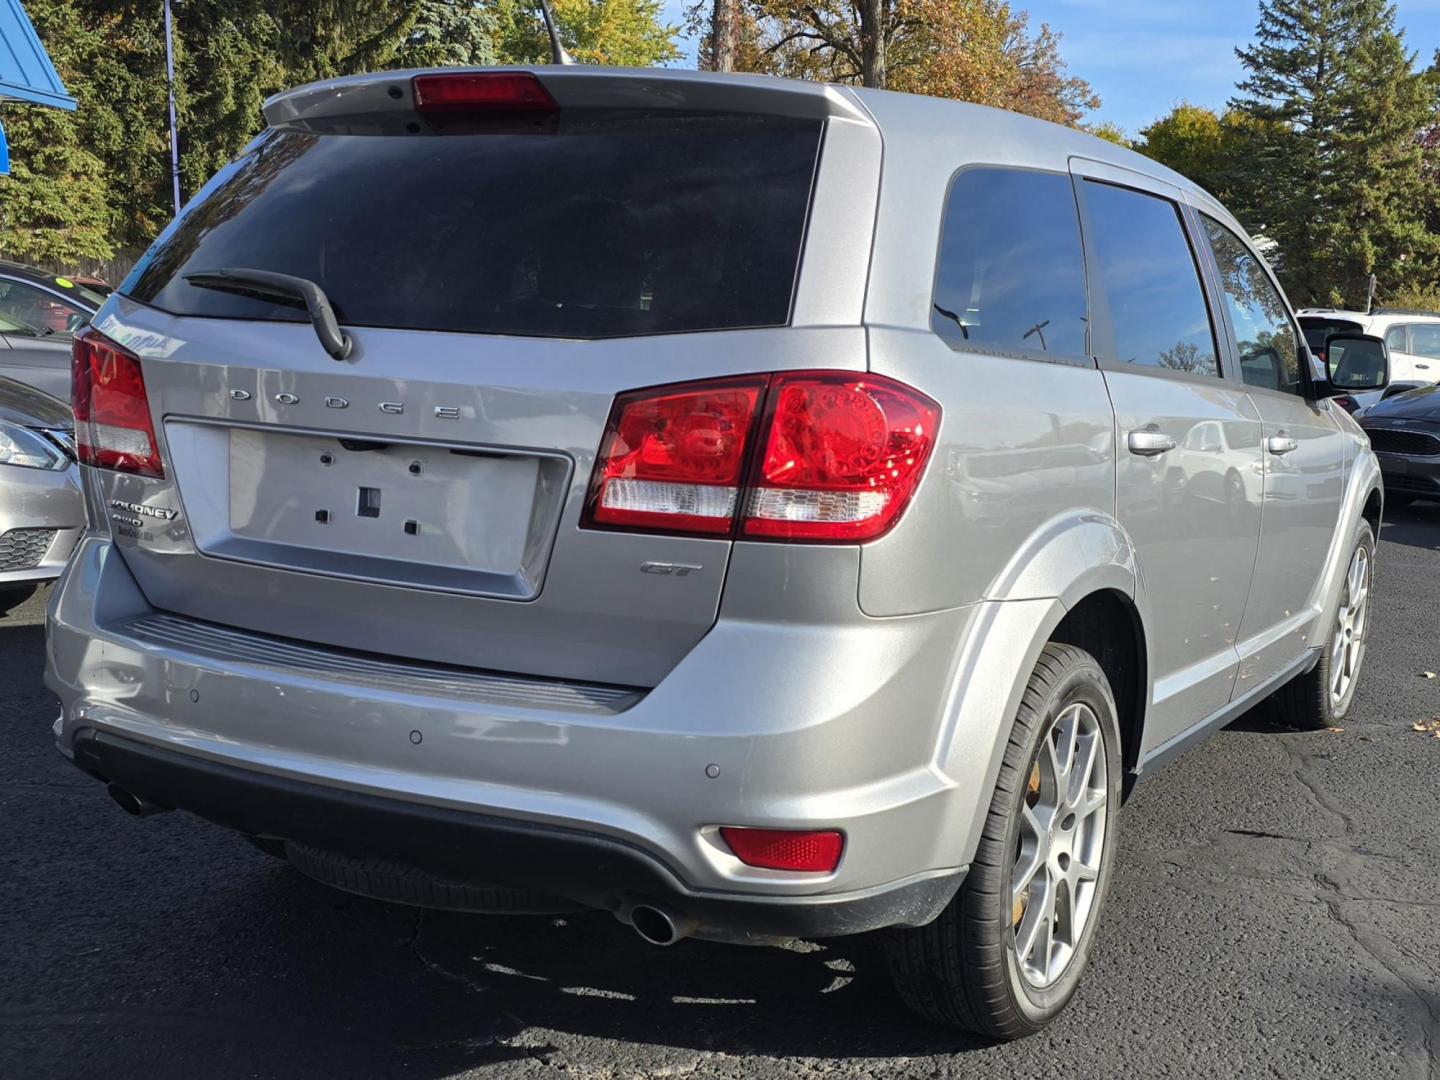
[502, 278]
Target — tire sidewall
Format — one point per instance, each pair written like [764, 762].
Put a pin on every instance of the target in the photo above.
[1083, 683]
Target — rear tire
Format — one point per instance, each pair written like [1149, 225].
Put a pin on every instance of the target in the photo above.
[965, 969]
[1311, 701]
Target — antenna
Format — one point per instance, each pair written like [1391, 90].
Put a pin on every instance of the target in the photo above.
[558, 55]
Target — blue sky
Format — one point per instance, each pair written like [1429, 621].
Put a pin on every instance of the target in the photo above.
[1143, 56]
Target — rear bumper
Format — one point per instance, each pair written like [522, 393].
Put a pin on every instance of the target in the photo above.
[590, 869]
[827, 719]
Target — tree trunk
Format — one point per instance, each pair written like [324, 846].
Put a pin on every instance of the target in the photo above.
[724, 30]
[872, 43]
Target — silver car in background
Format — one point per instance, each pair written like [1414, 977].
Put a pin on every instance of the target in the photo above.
[757, 509]
[42, 512]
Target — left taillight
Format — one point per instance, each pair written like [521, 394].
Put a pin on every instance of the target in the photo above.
[672, 458]
[802, 456]
[113, 429]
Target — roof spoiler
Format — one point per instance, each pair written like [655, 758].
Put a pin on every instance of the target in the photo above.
[384, 102]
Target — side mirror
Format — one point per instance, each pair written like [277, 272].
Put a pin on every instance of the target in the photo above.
[1357, 363]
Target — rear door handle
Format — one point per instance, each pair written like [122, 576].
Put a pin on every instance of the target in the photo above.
[1280, 444]
[1149, 443]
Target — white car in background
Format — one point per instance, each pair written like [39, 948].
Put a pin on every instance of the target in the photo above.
[1412, 336]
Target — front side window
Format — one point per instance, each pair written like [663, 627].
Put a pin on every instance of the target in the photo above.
[1425, 340]
[1269, 349]
[1157, 304]
[1011, 271]
[32, 307]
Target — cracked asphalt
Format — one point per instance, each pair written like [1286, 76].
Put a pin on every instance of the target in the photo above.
[1274, 914]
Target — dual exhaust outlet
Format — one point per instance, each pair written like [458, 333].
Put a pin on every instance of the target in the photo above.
[657, 924]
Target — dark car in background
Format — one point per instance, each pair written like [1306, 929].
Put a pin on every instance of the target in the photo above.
[1404, 431]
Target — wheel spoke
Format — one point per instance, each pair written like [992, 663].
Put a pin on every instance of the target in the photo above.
[1085, 872]
[1024, 876]
[1088, 752]
[1037, 916]
[1092, 801]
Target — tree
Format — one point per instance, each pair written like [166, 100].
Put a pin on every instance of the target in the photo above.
[972, 50]
[622, 33]
[1334, 174]
[1209, 148]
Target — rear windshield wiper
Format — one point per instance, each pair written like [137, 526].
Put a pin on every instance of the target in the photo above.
[284, 289]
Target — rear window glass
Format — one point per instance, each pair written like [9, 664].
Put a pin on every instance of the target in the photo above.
[607, 227]
[1317, 330]
[1011, 273]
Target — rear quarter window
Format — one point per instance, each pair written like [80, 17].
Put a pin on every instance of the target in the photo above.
[610, 226]
[1011, 272]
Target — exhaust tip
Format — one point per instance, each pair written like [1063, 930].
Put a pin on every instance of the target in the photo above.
[658, 925]
[134, 804]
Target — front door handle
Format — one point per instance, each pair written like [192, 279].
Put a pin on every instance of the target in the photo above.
[1149, 443]
[1280, 444]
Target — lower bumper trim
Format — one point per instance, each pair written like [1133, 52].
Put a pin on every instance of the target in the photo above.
[592, 870]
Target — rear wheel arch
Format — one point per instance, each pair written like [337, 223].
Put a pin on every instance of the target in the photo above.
[1107, 625]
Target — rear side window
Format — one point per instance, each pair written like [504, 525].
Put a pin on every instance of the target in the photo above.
[1150, 280]
[1425, 340]
[609, 226]
[1269, 350]
[1011, 271]
[1394, 338]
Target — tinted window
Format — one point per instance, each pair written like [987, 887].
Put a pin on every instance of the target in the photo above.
[1011, 272]
[1269, 351]
[1425, 340]
[1317, 330]
[1394, 338]
[36, 308]
[605, 227]
[1157, 305]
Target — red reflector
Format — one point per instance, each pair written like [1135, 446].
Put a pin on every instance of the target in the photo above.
[783, 849]
[672, 457]
[113, 429]
[490, 91]
[843, 454]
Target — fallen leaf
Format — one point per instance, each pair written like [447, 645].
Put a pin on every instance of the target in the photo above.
[1435, 734]
[1419, 727]
[1428, 674]
[1336, 730]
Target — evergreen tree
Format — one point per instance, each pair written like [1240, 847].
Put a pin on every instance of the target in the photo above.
[1334, 173]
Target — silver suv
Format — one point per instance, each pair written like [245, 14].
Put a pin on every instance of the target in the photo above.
[757, 509]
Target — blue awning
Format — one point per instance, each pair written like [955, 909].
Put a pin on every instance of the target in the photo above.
[26, 73]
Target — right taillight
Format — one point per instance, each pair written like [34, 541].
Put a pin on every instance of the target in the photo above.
[834, 457]
[113, 429]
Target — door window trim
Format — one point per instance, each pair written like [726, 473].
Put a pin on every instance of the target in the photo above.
[1102, 325]
[1012, 353]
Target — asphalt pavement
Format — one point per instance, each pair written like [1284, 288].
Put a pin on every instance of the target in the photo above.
[1275, 914]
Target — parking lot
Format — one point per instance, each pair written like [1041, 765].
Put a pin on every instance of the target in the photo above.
[1275, 913]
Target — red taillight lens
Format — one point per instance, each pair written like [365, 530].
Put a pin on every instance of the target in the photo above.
[782, 849]
[837, 457]
[672, 458]
[843, 454]
[113, 429]
[482, 92]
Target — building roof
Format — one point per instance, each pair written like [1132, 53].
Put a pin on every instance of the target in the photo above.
[26, 73]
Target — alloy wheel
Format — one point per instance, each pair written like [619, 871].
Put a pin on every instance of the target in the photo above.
[1062, 842]
[1347, 647]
